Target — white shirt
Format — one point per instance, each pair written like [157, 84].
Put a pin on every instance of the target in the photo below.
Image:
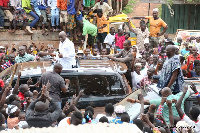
[196, 125]
[52, 4]
[136, 78]
[67, 50]
[63, 122]
[110, 39]
[101, 115]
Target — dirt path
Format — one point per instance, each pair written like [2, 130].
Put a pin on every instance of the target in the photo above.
[141, 9]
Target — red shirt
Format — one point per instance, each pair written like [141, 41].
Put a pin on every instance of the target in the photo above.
[191, 58]
[21, 96]
[4, 3]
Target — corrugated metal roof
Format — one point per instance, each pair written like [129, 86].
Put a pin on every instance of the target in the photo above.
[86, 128]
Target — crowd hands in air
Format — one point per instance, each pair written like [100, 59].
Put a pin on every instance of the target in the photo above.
[151, 61]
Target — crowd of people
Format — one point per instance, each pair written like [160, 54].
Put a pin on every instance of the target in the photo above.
[151, 60]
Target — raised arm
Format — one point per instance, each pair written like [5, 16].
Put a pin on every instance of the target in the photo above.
[171, 117]
[141, 98]
[15, 90]
[41, 54]
[3, 98]
[178, 104]
[125, 59]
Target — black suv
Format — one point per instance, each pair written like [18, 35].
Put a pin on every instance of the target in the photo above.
[102, 80]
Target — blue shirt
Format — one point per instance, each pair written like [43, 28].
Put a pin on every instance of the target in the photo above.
[71, 7]
[117, 120]
[183, 52]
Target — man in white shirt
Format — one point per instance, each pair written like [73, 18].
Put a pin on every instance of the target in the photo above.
[67, 51]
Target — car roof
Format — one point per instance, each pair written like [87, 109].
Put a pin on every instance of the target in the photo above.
[85, 67]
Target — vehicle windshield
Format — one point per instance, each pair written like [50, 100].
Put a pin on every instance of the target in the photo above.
[97, 85]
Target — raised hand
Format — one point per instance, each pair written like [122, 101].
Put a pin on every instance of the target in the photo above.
[193, 87]
[140, 97]
[169, 103]
[29, 82]
[81, 93]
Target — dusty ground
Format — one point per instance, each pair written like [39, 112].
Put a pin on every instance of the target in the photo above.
[141, 9]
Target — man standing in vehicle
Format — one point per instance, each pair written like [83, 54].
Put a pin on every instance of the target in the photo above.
[125, 56]
[67, 51]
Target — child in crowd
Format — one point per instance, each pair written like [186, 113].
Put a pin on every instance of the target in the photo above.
[147, 80]
[161, 43]
[119, 38]
[26, 4]
[110, 40]
[54, 14]
[62, 7]
[119, 110]
[18, 11]
[179, 41]
[196, 72]
[71, 11]
[102, 28]
[95, 52]
[13, 114]
[42, 5]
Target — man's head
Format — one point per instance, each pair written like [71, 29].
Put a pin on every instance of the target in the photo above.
[143, 63]
[57, 68]
[155, 58]
[125, 117]
[196, 63]
[11, 57]
[89, 108]
[155, 13]
[95, 51]
[138, 67]
[166, 92]
[41, 106]
[79, 23]
[134, 49]
[109, 109]
[103, 119]
[192, 38]
[112, 30]
[166, 36]
[194, 112]
[87, 52]
[17, 103]
[150, 61]
[50, 48]
[127, 44]
[170, 50]
[143, 26]
[22, 51]
[99, 13]
[21, 116]
[194, 50]
[119, 109]
[76, 118]
[104, 51]
[179, 40]
[2, 49]
[120, 32]
[198, 39]
[150, 71]
[101, 2]
[23, 88]
[62, 36]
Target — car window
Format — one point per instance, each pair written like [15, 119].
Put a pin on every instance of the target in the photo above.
[96, 85]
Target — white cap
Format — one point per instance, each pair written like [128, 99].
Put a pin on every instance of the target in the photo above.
[11, 109]
[146, 40]
[80, 52]
[155, 10]
[138, 64]
[120, 109]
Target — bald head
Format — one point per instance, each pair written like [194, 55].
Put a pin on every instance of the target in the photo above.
[41, 106]
[62, 36]
[57, 68]
[194, 50]
[166, 92]
[170, 50]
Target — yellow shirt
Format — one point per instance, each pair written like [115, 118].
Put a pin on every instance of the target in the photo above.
[100, 22]
[155, 25]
